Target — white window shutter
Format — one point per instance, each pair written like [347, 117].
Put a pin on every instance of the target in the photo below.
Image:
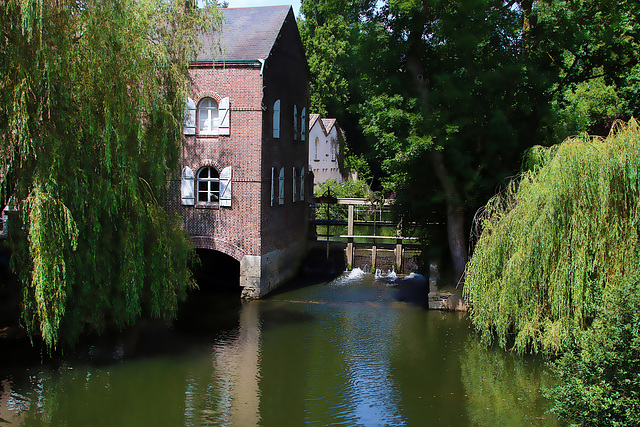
[302, 184]
[187, 186]
[225, 187]
[295, 185]
[303, 124]
[223, 115]
[189, 126]
[281, 188]
[295, 123]
[276, 119]
[273, 185]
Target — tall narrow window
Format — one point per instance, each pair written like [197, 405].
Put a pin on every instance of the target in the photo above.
[276, 119]
[295, 185]
[281, 188]
[295, 122]
[208, 185]
[315, 149]
[303, 124]
[207, 116]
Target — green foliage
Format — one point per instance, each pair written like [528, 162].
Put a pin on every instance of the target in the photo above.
[557, 240]
[350, 188]
[600, 380]
[448, 95]
[358, 164]
[91, 104]
[591, 106]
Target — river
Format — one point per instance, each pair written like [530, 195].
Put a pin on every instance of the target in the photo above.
[360, 350]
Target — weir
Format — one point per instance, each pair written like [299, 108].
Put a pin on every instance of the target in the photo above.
[365, 232]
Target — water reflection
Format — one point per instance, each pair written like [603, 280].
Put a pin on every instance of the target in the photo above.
[371, 395]
[504, 389]
[237, 364]
[360, 350]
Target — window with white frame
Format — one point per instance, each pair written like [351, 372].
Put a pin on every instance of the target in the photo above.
[207, 116]
[208, 185]
[213, 117]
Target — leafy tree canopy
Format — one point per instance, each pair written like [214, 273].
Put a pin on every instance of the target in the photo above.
[91, 101]
[450, 94]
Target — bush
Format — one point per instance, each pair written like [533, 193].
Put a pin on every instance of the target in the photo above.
[600, 381]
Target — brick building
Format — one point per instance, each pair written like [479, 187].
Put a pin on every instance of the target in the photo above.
[242, 187]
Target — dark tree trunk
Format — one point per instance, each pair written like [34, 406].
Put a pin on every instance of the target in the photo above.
[456, 234]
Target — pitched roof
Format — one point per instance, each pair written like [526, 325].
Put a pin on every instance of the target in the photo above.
[312, 119]
[328, 124]
[248, 34]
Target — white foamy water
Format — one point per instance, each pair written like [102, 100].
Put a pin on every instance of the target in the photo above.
[389, 276]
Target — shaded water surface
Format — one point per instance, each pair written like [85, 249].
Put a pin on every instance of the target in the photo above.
[358, 350]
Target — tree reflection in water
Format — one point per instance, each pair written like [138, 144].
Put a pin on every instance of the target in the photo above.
[504, 389]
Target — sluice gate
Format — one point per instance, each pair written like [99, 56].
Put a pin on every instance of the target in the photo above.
[366, 232]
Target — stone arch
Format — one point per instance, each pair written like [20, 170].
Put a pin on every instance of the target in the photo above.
[208, 163]
[208, 94]
[220, 245]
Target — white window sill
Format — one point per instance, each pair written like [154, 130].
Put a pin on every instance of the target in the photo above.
[207, 205]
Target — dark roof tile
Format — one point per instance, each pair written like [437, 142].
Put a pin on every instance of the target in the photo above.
[248, 34]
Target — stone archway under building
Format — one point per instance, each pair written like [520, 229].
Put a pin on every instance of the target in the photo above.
[259, 273]
[216, 271]
[249, 265]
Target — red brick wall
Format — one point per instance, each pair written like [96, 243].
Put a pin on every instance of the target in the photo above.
[235, 230]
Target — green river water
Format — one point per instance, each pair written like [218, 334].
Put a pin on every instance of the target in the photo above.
[356, 351]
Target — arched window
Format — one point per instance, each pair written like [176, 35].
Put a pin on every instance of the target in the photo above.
[276, 119]
[208, 185]
[208, 117]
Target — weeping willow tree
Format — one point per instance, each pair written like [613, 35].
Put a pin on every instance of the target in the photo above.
[556, 241]
[91, 102]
